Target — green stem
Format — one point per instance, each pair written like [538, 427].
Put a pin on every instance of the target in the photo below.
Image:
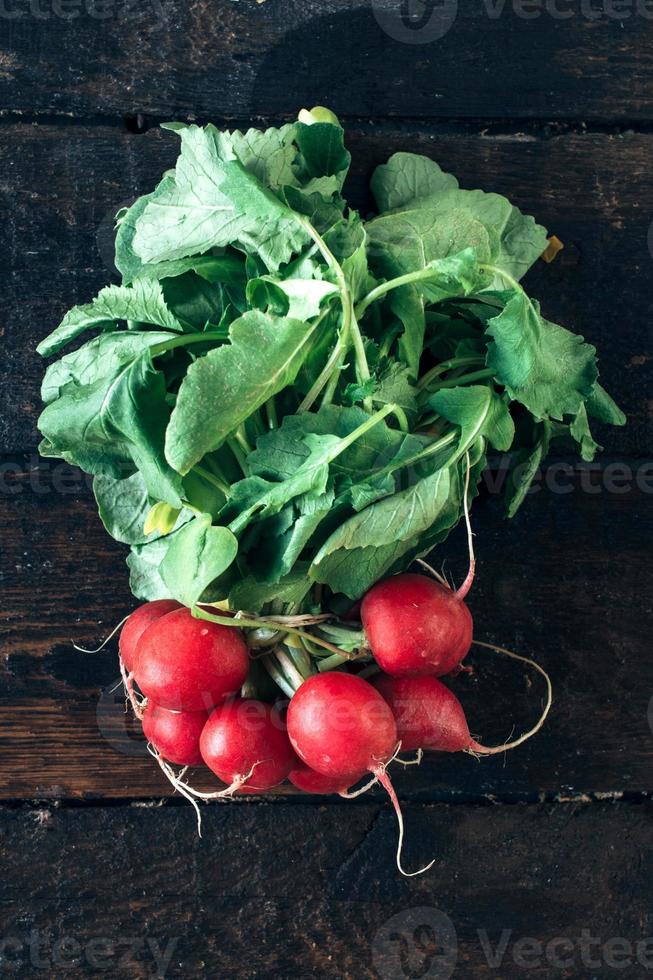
[185, 339]
[445, 366]
[238, 453]
[329, 663]
[463, 379]
[242, 623]
[213, 479]
[241, 438]
[385, 287]
[349, 330]
[435, 447]
[272, 667]
[271, 413]
[240, 522]
[496, 271]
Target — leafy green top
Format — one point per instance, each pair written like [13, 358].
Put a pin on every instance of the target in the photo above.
[281, 394]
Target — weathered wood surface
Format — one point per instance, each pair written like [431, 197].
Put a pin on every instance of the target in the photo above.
[594, 191]
[498, 60]
[564, 581]
[303, 891]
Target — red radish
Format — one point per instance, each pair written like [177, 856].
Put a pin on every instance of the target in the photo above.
[175, 734]
[341, 727]
[137, 623]
[415, 625]
[310, 781]
[428, 715]
[187, 664]
[246, 744]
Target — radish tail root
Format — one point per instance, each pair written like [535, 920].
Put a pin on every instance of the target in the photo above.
[467, 584]
[386, 782]
[105, 640]
[348, 795]
[177, 784]
[138, 706]
[475, 748]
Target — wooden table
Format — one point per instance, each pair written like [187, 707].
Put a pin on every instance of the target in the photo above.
[544, 857]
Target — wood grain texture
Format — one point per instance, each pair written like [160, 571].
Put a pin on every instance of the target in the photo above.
[491, 59]
[62, 184]
[560, 582]
[303, 891]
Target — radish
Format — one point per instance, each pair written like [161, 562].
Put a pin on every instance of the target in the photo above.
[342, 728]
[429, 716]
[415, 625]
[187, 664]
[245, 743]
[310, 781]
[175, 734]
[137, 623]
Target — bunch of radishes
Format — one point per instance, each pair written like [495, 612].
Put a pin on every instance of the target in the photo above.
[337, 728]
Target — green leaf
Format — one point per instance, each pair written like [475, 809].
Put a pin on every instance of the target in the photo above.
[545, 367]
[228, 384]
[302, 298]
[428, 203]
[526, 462]
[123, 506]
[126, 409]
[275, 549]
[269, 154]
[348, 241]
[407, 304]
[257, 496]
[479, 411]
[144, 561]
[127, 262]
[226, 269]
[198, 554]
[215, 201]
[407, 178]
[99, 358]
[280, 453]
[362, 549]
[252, 596]
[580, 431]
[323, 150]
[602, 407]
[142, 302]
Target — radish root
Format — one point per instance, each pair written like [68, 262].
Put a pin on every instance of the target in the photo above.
[191, 794]
[138, 704]
[475, 748]
[106, 639]
[386, 782]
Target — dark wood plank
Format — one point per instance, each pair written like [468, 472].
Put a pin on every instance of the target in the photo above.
[567, 581]
[492, 59]
[301, 891]
[594, 192]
